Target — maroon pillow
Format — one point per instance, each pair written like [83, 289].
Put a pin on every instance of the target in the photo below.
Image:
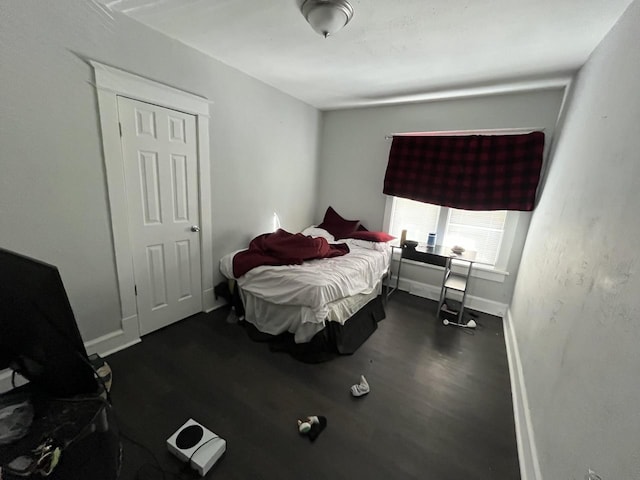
[372, 236]
[338, 226]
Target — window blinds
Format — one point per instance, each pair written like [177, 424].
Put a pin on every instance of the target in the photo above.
[418, 219]
[480, 231]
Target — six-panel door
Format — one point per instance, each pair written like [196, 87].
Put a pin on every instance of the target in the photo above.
[159, 147]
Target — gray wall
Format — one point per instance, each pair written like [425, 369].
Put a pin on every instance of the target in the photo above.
[53, 197]
[576, 308]
[354, 154]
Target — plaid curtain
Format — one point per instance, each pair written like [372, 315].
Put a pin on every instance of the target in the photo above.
[473, 172]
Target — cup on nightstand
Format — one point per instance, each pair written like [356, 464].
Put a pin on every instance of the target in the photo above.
[431, 240]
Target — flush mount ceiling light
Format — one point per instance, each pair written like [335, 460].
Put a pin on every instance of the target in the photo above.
[327, 16]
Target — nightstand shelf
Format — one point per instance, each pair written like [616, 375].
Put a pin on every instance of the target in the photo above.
[450, 310]
[457, 282]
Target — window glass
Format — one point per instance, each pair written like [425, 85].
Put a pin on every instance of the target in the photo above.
[417, 218]
[476, 230]
[481, 231]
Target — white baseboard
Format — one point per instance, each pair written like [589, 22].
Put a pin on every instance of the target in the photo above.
[115, 341]
[215, 304]
[432, 292]
[208, 300]
[527, 452]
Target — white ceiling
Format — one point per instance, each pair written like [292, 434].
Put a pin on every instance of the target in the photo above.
[392, 50]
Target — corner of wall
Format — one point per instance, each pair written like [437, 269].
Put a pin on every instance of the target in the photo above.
[527, 452]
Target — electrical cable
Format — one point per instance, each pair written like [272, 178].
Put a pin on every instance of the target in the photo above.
[156, 463]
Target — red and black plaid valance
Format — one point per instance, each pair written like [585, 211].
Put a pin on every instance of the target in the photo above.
[472, 172]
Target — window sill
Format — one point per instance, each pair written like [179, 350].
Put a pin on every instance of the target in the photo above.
[488, 273]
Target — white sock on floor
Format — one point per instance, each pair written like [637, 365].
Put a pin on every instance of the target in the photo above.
[361, 388]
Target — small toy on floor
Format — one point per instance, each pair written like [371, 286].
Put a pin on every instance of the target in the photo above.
[360, 389]
[312, 426]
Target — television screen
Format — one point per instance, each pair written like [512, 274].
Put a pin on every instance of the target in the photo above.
[39, 337]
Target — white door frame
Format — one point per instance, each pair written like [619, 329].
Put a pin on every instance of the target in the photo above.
[110, 83]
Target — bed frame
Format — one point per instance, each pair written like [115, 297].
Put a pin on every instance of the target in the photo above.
[334, 337]
[333, 340]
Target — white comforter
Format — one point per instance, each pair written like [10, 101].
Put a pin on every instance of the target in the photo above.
[315, 283]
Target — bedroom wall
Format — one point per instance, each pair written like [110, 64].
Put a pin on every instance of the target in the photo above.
[354, 155]
[575, 309]
[53, 197]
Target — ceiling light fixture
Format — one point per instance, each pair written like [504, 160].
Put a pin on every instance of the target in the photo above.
[327, 16]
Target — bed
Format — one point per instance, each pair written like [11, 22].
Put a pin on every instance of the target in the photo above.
[323, 304]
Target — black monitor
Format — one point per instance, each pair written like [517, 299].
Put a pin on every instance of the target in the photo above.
[39, 337]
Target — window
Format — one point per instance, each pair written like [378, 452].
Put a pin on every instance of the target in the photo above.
[417, 218]
[482, 231]
[479, 231]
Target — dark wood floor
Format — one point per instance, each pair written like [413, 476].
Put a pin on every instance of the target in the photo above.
[439, 408]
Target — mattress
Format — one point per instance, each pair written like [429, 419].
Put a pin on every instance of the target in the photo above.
[301, 321]
[316, 284]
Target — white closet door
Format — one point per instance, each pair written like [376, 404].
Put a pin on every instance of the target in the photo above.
[161, 169]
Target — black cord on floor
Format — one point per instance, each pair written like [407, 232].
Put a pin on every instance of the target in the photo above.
[156, 463]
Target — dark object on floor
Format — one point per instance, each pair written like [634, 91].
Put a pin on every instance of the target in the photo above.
[335, 339]
[81, 429]
[312, 426]
[317, 428]
[229, 291]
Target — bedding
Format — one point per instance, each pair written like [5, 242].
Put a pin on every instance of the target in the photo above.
[334, 339]
[316, 232]
[315, 283]
[371, 236]
[284, 248]
[297, 319]
[313, 292]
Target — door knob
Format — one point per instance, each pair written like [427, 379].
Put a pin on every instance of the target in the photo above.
[195, 228]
